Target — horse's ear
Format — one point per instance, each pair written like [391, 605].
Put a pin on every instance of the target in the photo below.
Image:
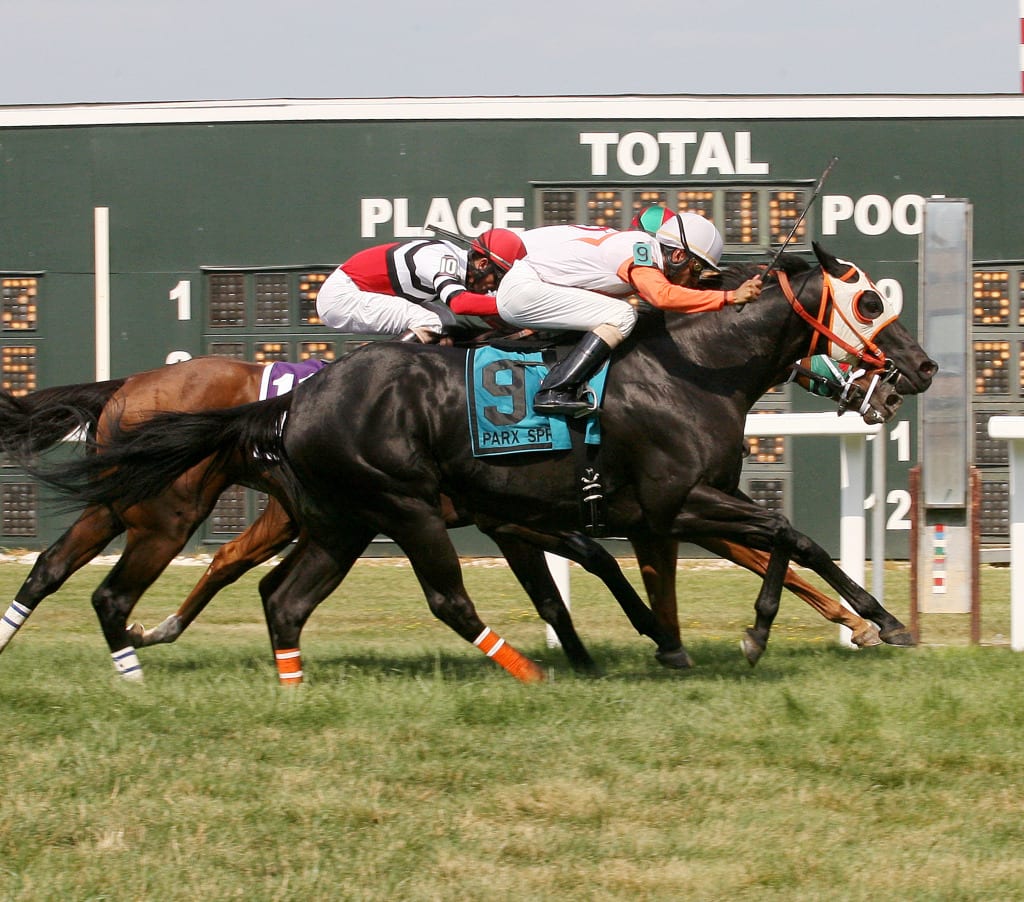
[829, 263]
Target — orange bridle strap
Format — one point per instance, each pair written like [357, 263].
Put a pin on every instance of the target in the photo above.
[869, 354]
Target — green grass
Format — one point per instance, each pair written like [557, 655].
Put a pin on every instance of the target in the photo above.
[409, 767]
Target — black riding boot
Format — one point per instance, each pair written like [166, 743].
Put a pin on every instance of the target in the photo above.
[560, 391]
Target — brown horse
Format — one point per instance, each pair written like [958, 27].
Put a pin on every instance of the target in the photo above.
[156, 530]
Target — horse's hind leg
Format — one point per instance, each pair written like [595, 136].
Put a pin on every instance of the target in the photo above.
[295, 587]
[264, 538]
[147, 553]
[421, 533]
[86, 538]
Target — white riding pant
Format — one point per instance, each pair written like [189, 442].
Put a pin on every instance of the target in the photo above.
[343, 305]
[525, 300]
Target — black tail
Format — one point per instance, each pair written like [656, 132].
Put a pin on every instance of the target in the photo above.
[37, 421]
[138, 463]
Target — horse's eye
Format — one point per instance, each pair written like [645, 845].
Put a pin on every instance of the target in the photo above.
[868, 306]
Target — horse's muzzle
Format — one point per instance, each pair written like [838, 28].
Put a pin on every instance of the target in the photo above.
[915, 381]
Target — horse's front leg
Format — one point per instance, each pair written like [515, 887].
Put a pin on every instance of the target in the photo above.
[808, 553]
[531, 569]
[711, 513]
[864, 632]
[597, 561]
[420, 530]
[657, 557]
[296, 586]
[658, 622]
[755, 639]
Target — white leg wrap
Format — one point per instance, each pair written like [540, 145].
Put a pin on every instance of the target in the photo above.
[126, 663]
[12, 621]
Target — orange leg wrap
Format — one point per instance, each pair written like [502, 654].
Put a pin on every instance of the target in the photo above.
[503, 654]
[289, 666]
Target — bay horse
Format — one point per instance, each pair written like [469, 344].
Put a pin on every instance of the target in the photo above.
[375, 441]
[158, 528]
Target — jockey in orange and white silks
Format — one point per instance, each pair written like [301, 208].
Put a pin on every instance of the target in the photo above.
[577, 277]
[416, 286]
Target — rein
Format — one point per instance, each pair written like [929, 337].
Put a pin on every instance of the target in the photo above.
[869, 354]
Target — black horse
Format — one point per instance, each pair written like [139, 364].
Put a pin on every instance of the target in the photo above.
[372, 443]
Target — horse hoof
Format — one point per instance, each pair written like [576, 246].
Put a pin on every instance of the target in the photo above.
[866, 637]
[167, 631]
[752, 649]
[899, 636]
[529, 672]
[677, 659]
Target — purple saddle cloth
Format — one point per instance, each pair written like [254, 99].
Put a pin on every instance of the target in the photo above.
[280, 377]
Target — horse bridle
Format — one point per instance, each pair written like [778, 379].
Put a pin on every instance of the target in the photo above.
[869, 354]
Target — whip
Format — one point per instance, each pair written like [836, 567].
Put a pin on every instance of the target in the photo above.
[800, 219]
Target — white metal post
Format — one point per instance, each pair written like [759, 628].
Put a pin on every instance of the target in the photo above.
[1012, 429]
[559, 568]
[878, 489]
[101, 228]
[852, 457]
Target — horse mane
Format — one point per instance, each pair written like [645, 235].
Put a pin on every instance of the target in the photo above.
[735, 274]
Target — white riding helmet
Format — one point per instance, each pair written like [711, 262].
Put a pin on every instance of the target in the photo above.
[698, 237]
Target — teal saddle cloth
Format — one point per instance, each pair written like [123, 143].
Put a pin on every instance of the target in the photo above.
[500, 387]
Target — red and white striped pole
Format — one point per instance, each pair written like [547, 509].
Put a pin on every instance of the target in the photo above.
[1022, 46]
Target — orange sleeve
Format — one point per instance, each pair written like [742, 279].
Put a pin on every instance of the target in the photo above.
[652, 285]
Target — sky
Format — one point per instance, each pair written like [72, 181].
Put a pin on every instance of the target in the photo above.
[98, 51]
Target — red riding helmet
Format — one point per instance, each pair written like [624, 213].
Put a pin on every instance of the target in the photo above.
[501, 246]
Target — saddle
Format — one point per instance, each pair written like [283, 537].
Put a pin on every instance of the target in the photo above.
[502, 378]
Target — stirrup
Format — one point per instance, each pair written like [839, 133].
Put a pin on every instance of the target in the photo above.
[589, 397]
[563, 403]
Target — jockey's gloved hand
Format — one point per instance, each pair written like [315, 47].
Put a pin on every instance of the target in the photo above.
[644, 310]
[420, 335]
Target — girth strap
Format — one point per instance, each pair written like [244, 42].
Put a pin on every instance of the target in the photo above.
[586, 465]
